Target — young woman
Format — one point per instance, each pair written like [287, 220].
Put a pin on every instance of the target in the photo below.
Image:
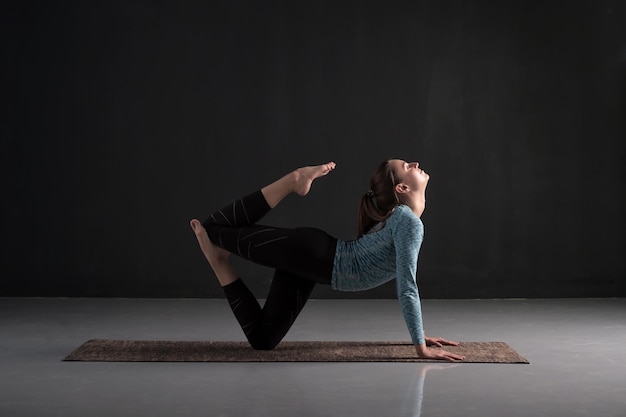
[390, 236]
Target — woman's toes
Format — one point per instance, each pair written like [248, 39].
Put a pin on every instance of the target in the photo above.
[306, 175]
[195, 225]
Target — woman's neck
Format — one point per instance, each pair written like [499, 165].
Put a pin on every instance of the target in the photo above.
[417, 204]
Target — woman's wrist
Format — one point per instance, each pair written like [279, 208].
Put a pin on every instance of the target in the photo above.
[421, 349]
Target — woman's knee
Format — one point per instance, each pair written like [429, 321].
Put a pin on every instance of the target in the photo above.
[263, 343]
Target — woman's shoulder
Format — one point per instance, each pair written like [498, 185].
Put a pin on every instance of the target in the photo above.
[404, 213]
[404, 218]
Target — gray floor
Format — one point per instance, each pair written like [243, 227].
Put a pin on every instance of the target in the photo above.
[577, 350]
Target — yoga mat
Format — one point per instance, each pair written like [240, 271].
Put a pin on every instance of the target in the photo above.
[104, 350]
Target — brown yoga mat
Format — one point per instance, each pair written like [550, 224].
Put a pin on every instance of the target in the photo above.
[104, 350]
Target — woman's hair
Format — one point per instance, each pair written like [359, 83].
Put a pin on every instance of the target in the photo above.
[379, 201]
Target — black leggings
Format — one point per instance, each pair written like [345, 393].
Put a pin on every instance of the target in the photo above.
[301, 258]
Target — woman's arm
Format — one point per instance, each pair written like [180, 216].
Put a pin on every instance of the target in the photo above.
[408, 232]
[407, 240]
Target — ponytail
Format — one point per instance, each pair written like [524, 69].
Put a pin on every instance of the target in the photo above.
[378, 203]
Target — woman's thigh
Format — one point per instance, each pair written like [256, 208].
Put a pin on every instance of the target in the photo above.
[308, 252]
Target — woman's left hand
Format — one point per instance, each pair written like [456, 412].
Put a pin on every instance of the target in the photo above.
[439, 342]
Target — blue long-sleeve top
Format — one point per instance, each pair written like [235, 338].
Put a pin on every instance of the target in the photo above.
[382, 255]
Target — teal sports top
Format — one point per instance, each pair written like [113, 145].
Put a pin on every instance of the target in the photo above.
[382, 255]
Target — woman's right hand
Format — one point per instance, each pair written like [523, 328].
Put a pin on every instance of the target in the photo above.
[425, 352]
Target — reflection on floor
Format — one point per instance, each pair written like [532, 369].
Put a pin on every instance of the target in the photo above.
[576, 350]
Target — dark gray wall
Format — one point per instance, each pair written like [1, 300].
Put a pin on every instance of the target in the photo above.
[126, 119]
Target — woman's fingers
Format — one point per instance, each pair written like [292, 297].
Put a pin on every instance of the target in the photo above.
[448, 342]
[428, 353]
[457, 357]
[440, 341]
[450, 356]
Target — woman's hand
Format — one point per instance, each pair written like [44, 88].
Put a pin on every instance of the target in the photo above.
[439, 341]
[425, 352]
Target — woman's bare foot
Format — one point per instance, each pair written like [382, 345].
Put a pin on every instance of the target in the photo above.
[298, 181]
[217, 257]
[305, 176]
[213, 253]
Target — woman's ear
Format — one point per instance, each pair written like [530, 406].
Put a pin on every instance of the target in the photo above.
[402, 188]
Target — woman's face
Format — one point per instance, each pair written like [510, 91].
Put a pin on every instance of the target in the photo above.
[410, 174]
